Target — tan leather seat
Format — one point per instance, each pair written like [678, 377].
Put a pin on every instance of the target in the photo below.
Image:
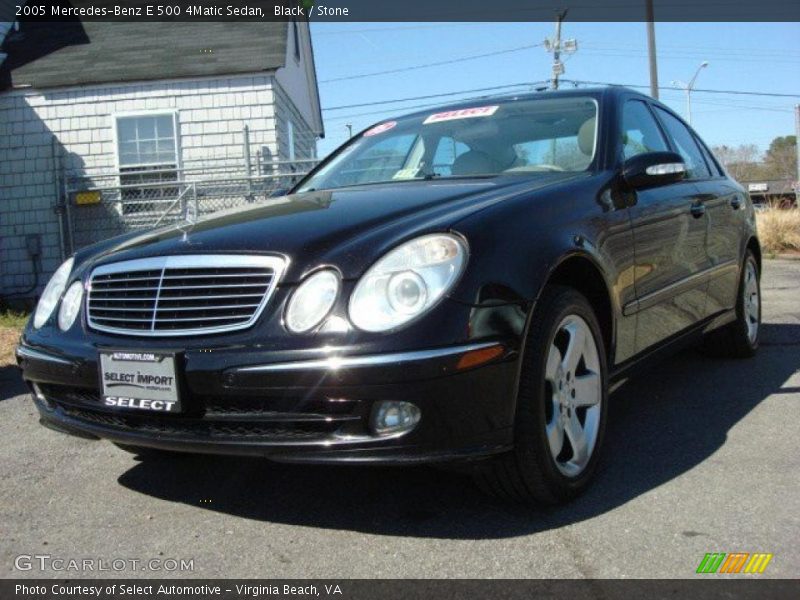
[586, 136]
[474, 162]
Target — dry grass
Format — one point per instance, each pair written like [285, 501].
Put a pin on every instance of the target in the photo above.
[11, 324]
[779, 230]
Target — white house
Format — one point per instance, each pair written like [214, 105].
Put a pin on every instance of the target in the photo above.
[98, 105]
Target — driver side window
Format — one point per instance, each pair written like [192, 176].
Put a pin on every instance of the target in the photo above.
[640, 132]
[447, 151]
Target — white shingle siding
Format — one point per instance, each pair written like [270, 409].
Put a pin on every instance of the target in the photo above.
[304, 138]
[212, 113]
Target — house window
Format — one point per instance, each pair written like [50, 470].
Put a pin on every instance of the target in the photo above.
[290, 138]
[147, 152]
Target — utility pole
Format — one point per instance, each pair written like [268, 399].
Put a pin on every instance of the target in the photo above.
[797, 146]
[556, 46]
[651, 50]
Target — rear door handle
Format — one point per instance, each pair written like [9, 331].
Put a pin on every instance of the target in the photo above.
[736, 202]
[698, 210]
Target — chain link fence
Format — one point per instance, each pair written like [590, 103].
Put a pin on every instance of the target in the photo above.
[100, 205]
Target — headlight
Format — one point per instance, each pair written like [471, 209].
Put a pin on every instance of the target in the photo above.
[70, 306]
[407, 282]
[52, 292]
[312, 301]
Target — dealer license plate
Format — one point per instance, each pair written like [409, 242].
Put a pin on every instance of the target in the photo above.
[139, 380]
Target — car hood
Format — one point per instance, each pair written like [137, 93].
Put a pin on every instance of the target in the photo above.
[347, 227]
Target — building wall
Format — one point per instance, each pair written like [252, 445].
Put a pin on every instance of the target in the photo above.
[40, 130]
[298, 74]
[305, 140]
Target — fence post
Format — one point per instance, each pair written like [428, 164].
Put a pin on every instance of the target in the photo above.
[247, 164]
[58, 206]
[67, 211]
[184, 205]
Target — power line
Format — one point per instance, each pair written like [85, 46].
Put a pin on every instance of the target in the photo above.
[634, 54]
[428, 96]
[535, 83]
[382, 29]
[705, 91]
[433, 64]
[746, 51]
[430, 105]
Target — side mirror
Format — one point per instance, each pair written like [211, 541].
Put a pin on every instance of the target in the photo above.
[278, 192]
[653, 169]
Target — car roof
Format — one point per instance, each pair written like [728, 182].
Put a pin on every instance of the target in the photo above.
[596, 92]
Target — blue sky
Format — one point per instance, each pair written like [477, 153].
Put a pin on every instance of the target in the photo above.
[762, 57]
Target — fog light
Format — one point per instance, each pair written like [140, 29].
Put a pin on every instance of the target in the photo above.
[390, 417]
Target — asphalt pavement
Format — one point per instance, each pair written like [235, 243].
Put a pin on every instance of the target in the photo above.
[701, 456]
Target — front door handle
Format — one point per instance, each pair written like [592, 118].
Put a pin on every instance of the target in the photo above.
[698, 210]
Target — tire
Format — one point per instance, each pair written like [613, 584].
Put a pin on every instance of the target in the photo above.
[532, 473]
[739, 339]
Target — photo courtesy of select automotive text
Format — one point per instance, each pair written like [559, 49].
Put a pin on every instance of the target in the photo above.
[377, 300]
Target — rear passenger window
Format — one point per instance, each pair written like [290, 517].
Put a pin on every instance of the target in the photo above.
[640, 132]
[710, 160]
[685, 145]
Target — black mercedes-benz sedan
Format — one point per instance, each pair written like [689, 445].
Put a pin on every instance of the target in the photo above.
[461, 285]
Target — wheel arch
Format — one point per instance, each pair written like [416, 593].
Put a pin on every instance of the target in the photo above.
[582, 273]
[755, 247]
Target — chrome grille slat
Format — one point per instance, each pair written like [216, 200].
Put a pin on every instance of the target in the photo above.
[133, 289]
[217, 276]
[125, 320]
[205, 287]
[184, 320]
[176, 308]
[211, 297]
[181, 295]
[115, 280]
[173, 298]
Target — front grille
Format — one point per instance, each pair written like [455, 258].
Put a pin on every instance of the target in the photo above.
[204, 429]
[181, 295]
[279, 418]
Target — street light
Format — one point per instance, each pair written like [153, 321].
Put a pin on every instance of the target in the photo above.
[689, 87]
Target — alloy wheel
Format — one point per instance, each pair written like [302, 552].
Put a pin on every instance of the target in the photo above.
[752, 302]
[573, 383]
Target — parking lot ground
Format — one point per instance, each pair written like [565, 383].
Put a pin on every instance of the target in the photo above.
[701, 456]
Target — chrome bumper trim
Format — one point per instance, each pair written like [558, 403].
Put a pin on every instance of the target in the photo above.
[346, 362]
[26, 352]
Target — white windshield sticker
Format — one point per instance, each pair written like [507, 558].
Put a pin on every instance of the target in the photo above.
[464, 113]
[380, 128]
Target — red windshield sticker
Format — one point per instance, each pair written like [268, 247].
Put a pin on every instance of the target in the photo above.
[464, 113]
[380, 128]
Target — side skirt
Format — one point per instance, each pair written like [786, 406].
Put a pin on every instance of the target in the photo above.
[648, 358]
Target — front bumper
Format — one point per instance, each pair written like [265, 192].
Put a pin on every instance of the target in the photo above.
[310, 410]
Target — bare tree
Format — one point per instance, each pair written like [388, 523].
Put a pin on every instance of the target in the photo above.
[743, 162]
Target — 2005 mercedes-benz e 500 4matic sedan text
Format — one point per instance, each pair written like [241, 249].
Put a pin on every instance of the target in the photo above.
[460, 285]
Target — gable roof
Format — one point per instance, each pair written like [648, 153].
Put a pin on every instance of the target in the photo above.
[45, 55]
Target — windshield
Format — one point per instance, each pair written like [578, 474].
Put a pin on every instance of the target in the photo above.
[519, 137]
